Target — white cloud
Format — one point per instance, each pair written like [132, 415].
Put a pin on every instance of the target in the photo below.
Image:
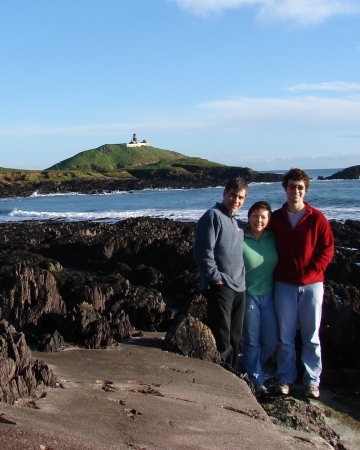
[224, 116]
[302, 11]
[308, 11]
[339, 86]
[283, 114]
[205, 7]
[232, 115]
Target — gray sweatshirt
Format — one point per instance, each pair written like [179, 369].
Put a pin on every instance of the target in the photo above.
[218, 249]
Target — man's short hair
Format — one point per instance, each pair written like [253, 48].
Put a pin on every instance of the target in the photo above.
[296, 175]
[238, 184]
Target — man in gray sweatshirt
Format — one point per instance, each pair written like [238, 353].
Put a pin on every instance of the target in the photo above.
[218, 252]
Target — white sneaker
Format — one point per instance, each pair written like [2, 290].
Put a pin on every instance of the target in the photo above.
[283, 388]
[311, 391]
[260, 390]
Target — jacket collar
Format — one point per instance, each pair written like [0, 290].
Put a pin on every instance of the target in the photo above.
[308, 208]
[224, 210]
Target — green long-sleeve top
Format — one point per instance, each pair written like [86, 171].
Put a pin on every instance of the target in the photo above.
[260, 258]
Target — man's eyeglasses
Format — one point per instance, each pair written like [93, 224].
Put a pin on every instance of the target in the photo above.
[292, 187]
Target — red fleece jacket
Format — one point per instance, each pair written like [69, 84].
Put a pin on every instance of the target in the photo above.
[304, 252]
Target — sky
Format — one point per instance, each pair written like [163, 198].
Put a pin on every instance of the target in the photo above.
[265, 84]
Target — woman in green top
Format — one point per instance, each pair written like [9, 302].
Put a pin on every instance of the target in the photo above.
[260, 332]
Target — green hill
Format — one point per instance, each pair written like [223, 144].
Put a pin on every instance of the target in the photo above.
[5, 169]
[112, 157]
[115, 167]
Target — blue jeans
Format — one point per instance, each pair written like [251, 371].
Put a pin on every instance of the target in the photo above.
[299, 305]
[260, 334]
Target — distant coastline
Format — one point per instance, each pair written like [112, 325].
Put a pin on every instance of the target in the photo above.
[133, 166]
[182, 203]
[25, 183]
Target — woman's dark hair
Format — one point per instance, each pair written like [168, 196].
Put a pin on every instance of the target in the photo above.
[259, 205]
[296, 175]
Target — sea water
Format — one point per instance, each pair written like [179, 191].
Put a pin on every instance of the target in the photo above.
[337, 199]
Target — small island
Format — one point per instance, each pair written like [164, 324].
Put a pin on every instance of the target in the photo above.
[132, 166]
[126, 167]
[350, 173]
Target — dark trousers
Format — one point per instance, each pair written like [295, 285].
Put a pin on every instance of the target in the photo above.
[226, 310]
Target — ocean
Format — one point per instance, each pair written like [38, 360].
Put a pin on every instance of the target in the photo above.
[337, 199]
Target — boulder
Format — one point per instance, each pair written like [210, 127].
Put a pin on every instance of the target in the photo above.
[20, 375]
[53, 342]
[29, 295]
[188, 336]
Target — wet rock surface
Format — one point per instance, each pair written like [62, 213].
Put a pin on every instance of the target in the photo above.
[136, 396]
[94, 284]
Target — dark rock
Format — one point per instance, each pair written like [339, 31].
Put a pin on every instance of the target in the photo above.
[298, 415]
[191, 177]
[20, 376]
[95, 283]
[198, 308]
[28, 295]
[53, 342]
[98, 334]
[121, 327]
[78, 321]
[145, 308]
[146, 276]
[190, 337]
[350, 173]
[340, 327]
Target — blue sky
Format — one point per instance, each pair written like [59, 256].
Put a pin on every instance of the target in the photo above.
[267, 84]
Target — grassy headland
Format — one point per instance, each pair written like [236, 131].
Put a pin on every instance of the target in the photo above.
[112, 160]
[112, 157]
[117, 167]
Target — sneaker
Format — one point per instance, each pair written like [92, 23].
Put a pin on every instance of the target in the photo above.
[311, 391]
[260, 390]
[283, 388]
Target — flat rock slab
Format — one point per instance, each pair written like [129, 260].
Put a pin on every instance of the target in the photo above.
[136, 396]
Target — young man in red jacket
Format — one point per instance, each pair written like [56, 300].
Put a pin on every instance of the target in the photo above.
[305, 246]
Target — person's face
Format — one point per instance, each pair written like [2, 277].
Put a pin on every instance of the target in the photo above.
[234, 199]
[259, 220]
[295, 191]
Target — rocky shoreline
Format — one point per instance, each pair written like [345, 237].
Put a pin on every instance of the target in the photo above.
[18, 184]
[95, 284]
